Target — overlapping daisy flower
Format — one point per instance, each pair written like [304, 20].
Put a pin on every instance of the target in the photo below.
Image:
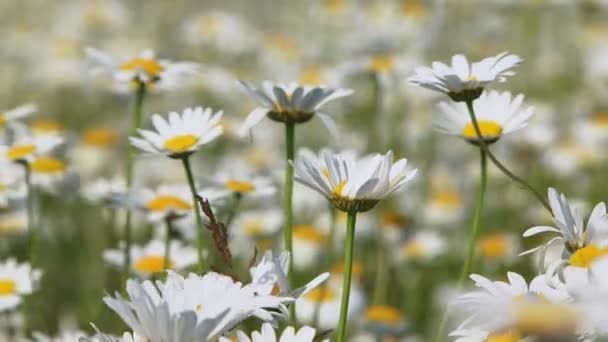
[16, 281]
[144, 68]
[290, 103]
[27, 148]
[180, 135]
[465, 81]
[350, 183]
[497, 114]
[11, 116]
[268, 334]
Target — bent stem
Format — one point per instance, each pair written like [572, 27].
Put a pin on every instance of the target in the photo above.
[484, 147]
[137, 119]
[287, 231]
[167, 259]
[348, 269]
[197, 214]
[474, 233]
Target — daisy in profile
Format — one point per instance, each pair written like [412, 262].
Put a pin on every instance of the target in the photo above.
[166, 201]
[11, 116]
[144, 68]
[580, 242]
[465, 81]
[268, 334]
[149, 260]
[290, 103]
[27, 148]
[16, 281]
[180, 135]
[352, 184]
[497, 114]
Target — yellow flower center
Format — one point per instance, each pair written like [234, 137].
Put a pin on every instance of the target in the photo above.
[600, 119]
[448, 199]
[199, 307]
[283, 45]
[239, 186]
[584, 257]
[310, 75]
[150, 66]
[181, 143]
[7, 287]
[151, 264]
[413, 249]
[18, 152]
[488, 129]
[2, 120]
[308, 233]
[338, 188]
[393, 218]
[254, 227]
[334, 7]
[413, 8]
[509, 336]
[168, 202]
[46, 126]
[99, 137]
[48, 165]
[381, 64]
[383, 314]
[321, 294]
[208, 24]
[494, 246]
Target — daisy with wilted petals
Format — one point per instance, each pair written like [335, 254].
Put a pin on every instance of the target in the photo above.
[497, 114]
[270, 277]
[352, 184]
[580, 241]
[10, 116]
[499, 306]
[27, 148]
[144, 69]
[16, 281]
[152, 315]
[291, 103]
[152, 258]
[463, 80]
[180, 135]
[213, 294]
[268, 334]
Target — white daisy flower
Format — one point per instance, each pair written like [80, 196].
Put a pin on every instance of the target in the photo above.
[126, 337]
[422, 246]
[16, 281]
[243, 184]
[149, 260]
[496, 113]
[104, 190]
[151, 314]
[476, 335]
[270, 277]
[163, 202]
[10, 116]
[92, 155]
[498, 305]
[497, 247]
[573, 234]
[27, 148]
[444, 208]
[463, 80]
[144, 68]
[12, 183]
[309, 244]
[48, 172]
[291, 103]
[351, 183]
[41, 127]
[384, 320]
[213, 294]
[180, 136]
[268, 334]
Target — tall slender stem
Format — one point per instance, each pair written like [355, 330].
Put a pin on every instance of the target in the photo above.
[167, 259]
[473, 234]
[137, 119]
[348, 270]
[287, 230]
[484, 146]
[197, 214]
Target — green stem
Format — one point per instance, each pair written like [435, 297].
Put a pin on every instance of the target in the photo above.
[197, 214]
[137, 119]
[484, 147]
[466, 268]
[167, 260]
[348, 269]
[287, 231]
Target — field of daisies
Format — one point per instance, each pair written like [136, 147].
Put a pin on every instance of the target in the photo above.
[299, 171]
